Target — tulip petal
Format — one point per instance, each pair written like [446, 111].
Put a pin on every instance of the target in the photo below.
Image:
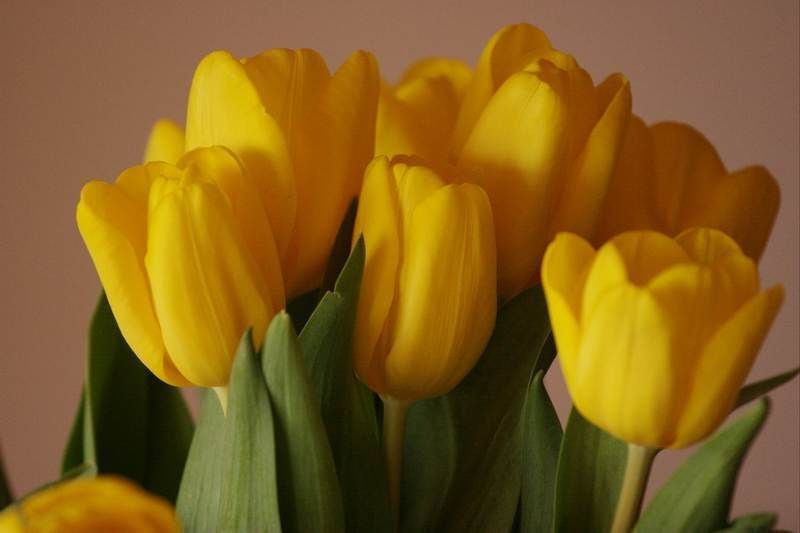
[220, 165]
[378, 221]
[446, 302]
[724, 365]
[625, 380]
[207, 288]
[166, 142]
[455, 72]
[113, 228]
[752, 190]
[508, 51]
[225, 109]
[415, 183]
[686, 169]
[587, 182]
[335, 143]
[529, 112]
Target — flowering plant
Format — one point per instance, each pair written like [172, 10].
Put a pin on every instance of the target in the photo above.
[371, 281]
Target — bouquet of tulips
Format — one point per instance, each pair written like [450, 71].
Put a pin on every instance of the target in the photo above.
[371, 281]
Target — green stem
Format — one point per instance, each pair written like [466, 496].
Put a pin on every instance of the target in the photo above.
[637, 470]
[394, 428]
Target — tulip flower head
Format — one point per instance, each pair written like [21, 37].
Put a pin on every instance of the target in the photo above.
[187, 260]
[656, 335]
[89, 505]
[428, 297]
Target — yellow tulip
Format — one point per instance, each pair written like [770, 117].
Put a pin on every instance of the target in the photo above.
[187, 260]
[670, 178]
[165, 143]
[105, 503]
[304, 136]
[656, 335]
[428, 297]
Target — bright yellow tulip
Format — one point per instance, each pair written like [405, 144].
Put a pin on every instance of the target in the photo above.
[165, 143]
[428, 297]
[304, 136]
[670, 178]
[105, 503]
[656, 335]
[187, 260]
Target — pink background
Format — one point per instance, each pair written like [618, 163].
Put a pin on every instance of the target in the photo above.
[81, 83]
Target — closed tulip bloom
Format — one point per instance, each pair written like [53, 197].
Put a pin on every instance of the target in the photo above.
[670, 178]
[187, 261]
[165, 143]
[89, 505]
[303, 135]
[656, 335]
[428, 297]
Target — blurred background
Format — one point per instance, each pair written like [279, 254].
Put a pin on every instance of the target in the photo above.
[82, 81]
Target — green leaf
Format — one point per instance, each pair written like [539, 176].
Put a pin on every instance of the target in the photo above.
[755, 390]
[128, 422]
[6, 496]
[230, 477]
[463, 451]
[591, 464]
[697, 497]
[541, 443]
[348, 409]
[341, 249]
[309, 495]
[752, 523]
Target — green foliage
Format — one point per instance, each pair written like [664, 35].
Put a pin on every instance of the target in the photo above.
[755, 390]
[463, 451]
[752, 523]
[128, 422]
[697, 497]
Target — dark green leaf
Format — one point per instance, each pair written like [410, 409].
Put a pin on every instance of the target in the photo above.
[348, 410]
[301, 307]
[591, 464]
[128, 422]
[755, 390]
[341, 249]
[310, 500]
[541, 444]
[697, 497]
[463, 451]
[5, 490]
[752, 523]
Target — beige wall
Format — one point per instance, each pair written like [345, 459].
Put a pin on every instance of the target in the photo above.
[81, 81]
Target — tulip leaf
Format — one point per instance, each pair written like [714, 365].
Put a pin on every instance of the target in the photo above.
[348, 409]
[591, 464]
[697, 497]
[463, 450]
[755, 390]
[309, 495]
[128, 421]
[541, 444]
[230, 482]
[341, 249]
[752, 523]
[5, 490]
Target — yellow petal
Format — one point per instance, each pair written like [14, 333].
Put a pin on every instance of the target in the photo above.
[752, 190]
[415, 183]
[587, 182]
[206, 286]
[165, 143]
[564, 270]
[225, 109]
[508, 51]
[219, 165]
[378, 221]
[335, 143]
[446, 301]
[455, 72]
[686, 168]
[624, 380]
[530, 114]
[724, 366]
[113, 228]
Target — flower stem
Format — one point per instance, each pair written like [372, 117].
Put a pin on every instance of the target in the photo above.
[394, 428]
[637, 470]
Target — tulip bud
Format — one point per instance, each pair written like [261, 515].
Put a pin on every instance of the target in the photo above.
[670, 178]
[427, 303]
[87, 505]
[187, 260]
[304, 135]
[165, 143]
[656, 335]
